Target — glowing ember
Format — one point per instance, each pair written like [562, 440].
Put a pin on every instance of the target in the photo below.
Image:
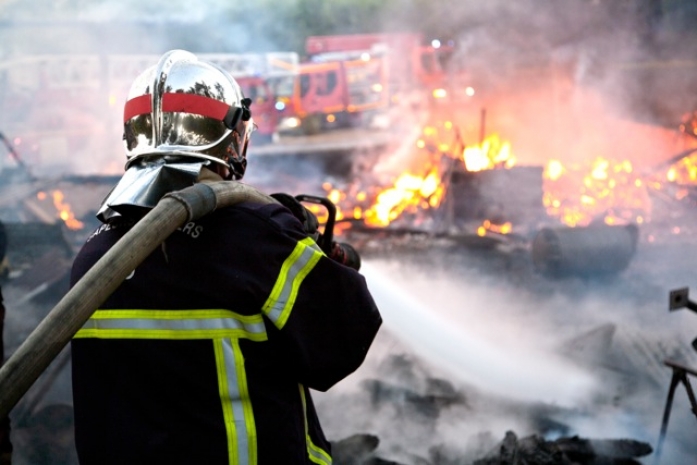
[605, 190]
[489, 227]
[683, 172]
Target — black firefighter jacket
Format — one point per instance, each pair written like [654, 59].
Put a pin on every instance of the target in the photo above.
[204, 355]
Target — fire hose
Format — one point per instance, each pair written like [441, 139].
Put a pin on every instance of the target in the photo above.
[54, 332]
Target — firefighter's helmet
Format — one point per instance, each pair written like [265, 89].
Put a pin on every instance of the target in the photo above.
[187, 107]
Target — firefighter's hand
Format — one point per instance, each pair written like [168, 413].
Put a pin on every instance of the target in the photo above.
[305, 216]
[346, 255]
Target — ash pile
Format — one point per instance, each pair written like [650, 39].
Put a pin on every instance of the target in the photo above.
[416, 410]
[532, 450]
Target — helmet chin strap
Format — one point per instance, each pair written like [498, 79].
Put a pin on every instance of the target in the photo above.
[236, 114]
[237, 166]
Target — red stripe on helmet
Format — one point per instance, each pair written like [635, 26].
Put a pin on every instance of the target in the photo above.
[196, 104]
[177, 102]
[136, 106]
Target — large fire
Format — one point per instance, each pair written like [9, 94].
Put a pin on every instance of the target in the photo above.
[601, 190]
[417, 189]
[422, 188]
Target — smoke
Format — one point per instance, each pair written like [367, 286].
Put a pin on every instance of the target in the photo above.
[171, 11]
[64, 116]
[557, 79]
[460, 337]
[513, 357]
[569, 80]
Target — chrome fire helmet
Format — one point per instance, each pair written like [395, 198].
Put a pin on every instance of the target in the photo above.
[187, 107]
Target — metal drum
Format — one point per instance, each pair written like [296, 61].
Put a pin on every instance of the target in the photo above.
[590, 251]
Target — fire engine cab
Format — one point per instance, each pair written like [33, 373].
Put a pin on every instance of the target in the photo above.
[349, 80]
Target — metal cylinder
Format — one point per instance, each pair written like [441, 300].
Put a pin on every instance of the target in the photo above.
[590, 251]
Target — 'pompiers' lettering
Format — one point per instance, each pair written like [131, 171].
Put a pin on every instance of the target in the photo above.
[192, 229]
[99, 230]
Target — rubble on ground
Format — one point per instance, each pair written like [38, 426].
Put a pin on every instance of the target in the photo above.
[359, 449]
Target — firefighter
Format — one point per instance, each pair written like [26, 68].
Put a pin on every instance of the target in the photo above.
[206, 353]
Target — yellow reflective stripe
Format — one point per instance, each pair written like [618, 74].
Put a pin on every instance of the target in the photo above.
[293, 271]
[226, 400]
[237, 408]
[246, 405]
[173, 324]
[315, 454]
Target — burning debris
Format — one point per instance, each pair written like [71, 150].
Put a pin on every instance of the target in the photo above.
[568, 219]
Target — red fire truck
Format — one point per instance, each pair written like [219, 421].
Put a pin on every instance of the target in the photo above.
[411, 65]
[349, 79]
[343, 92]
[266, 116]
[256, 73]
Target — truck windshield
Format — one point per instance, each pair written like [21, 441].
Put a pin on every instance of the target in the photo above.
[282, 86]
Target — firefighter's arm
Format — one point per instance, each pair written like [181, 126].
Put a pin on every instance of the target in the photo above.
[331, 326]
[325, 314]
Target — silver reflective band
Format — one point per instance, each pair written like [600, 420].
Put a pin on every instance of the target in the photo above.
[237, 409]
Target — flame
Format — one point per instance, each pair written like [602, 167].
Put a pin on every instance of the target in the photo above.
[420, 188]
[604, 190]
[423, 189]
[611, 191]
[64, 211]
[409, 193]
[683, 172]
[491, 153]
